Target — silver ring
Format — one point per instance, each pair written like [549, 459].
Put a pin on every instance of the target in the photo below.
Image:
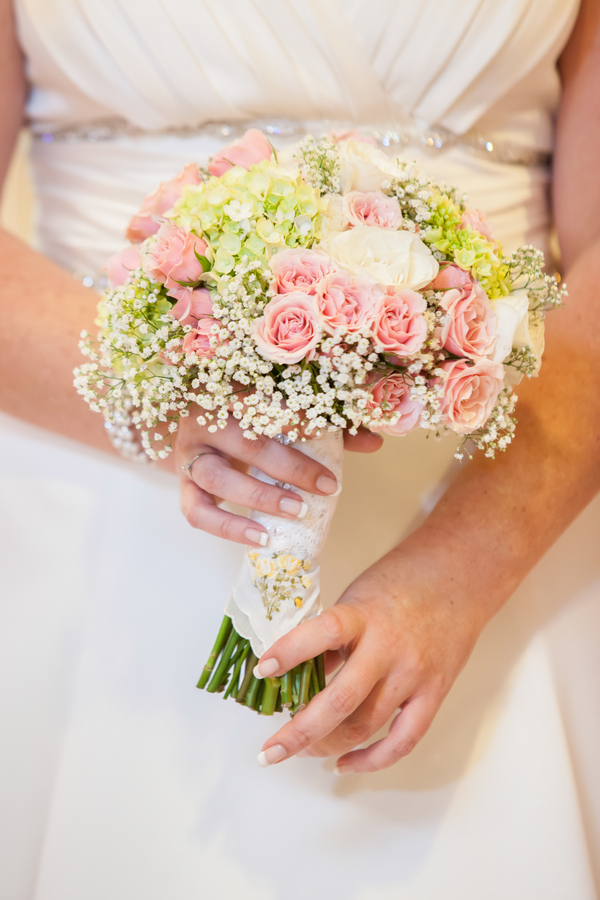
[188, 466]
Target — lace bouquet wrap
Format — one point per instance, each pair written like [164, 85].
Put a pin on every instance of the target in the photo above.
[329, 287]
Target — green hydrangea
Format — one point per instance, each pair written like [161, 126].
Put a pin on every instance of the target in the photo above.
[467, 248]
[250, 214]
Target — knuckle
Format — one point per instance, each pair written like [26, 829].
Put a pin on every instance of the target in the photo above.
[298, 472]
[414, 664]
[302, 734]
[403, 746]
[255, 448]
[356, 733]
[342, 700]
[331, 622]
[226, 528]
[211, 478]
[260, 497]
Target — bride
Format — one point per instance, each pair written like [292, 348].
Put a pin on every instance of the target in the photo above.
[118, 779]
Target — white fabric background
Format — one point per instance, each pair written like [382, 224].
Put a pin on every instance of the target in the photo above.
[117, 778]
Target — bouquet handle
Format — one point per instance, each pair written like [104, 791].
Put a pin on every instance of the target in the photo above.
[277, 589]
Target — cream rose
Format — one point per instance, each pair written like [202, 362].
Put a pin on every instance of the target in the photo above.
[517, 329]
[397, 258]
[364, 167]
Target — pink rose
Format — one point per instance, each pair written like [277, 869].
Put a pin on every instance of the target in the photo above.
[393, 395]
[120, 266]
[400, 326]
[471, 326]
[289, 328]
[470, 393]
[372, 208]
[171, 259]
[348, 302]
[300, 270]
[450, 277]
[192, 306]
[352, 135]
[196, 310]
[249, 150]
[145, 223]
[475, 219]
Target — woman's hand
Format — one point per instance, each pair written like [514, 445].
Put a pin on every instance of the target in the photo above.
[404, 630]
[219, 472]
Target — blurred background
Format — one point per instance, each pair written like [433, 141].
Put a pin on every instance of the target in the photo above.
[16, 208]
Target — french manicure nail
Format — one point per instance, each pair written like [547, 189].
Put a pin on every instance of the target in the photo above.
[341, 770]
[266, 668]
[293, 507]
[272, 755]
[257, 537]
[328, 485]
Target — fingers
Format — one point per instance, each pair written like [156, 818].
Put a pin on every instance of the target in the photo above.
[363, 723]
[215, 475]
[363, 442]
[336, 627]
[324, 712]
[407, 729]
[282, 463]
[201, 511]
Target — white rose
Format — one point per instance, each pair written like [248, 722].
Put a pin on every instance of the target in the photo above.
[510, 311]
[365, 168]
[398, 258]
[516, 329]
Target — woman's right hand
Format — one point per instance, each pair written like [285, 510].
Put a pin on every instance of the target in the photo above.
[220, 472]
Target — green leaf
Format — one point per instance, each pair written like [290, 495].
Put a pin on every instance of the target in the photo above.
[206, 266]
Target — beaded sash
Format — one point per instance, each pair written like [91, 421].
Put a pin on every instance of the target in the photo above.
[405, 135]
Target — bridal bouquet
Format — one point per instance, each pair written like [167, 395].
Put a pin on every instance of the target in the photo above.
[322, 288]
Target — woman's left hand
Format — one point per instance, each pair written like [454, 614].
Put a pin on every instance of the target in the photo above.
[403, 630]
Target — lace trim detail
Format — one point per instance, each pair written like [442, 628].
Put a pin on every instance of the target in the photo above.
[434, 140]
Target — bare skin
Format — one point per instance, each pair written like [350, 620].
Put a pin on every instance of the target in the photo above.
[407, 626]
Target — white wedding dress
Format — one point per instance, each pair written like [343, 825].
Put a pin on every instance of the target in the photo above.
[118, 779]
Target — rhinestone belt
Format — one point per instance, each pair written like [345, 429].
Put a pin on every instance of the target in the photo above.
[435, 140]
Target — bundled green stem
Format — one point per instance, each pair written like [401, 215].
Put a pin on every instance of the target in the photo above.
[230, 669]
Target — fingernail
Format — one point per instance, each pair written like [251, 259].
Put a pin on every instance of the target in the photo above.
[272, 755]
[266, 669]
[257, 537]
[293, 507]
[328, 485]
[342, 770]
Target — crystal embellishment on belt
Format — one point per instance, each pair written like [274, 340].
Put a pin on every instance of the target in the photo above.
[435, 140]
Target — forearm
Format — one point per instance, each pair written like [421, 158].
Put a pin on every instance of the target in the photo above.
[500, 516]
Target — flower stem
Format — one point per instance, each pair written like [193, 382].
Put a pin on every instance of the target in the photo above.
[222, 673]
[252, 695]
[222, 636]
[305, 684]
[286, 690]
[216, 681]
[251, 661]
[232, 690]
[270, 696]
[320, 666]
[314, 680]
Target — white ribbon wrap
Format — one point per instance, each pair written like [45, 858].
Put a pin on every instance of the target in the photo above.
[279, 587]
